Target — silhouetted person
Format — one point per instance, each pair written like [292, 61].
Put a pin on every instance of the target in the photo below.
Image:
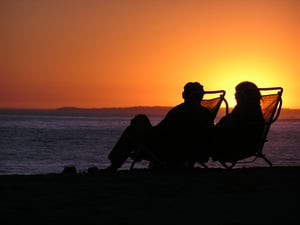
[237, 134]
[180, 138]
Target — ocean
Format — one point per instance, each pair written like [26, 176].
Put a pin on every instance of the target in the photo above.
[46, 141]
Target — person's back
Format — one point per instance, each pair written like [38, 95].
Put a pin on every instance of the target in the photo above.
[239, 132]
[185, 129]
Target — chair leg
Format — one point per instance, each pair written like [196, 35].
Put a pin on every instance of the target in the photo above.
[132, 164]
[138, 152]
[153, 158]
[267, 160]
[204, 165]
[228, 166]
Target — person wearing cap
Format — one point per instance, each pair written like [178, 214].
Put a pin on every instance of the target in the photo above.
[184, 132]
[180, 139]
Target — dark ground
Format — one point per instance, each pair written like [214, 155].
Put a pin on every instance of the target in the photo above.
[200, 196]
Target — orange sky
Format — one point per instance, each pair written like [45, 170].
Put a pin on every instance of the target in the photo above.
[118, 53]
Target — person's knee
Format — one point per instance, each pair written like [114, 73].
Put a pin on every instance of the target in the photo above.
[140, 122]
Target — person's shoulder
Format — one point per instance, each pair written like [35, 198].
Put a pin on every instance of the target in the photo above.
[175, 110]
[177, 107]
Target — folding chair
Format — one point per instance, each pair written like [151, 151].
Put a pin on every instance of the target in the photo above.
[212, 100]
[271, 104]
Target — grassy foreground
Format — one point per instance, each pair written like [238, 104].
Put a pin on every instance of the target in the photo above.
[200, 196]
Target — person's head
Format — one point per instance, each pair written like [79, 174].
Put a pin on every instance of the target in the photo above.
[193, 91]
[247, 92]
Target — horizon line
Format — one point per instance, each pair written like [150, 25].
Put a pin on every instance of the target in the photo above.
[112, 107]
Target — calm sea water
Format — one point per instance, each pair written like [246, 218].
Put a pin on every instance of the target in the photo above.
[39, 143]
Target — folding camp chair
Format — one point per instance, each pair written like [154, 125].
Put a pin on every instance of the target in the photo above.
[271, 103]
[212, 100]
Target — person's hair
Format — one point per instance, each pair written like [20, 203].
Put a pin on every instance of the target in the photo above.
[193, 90]
[247, 93]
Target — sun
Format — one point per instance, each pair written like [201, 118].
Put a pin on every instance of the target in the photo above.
[227, 74]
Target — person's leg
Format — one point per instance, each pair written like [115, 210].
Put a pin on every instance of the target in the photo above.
[122, 149]
[129, 141]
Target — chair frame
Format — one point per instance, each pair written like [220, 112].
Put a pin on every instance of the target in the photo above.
[220, 95]
[273, 117]
[214, 95]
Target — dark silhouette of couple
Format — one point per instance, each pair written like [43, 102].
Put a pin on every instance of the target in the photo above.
[187, 133]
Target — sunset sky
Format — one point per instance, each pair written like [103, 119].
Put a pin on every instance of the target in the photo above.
[119, 53]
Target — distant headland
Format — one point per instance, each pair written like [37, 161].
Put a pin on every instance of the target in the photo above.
[123, 111]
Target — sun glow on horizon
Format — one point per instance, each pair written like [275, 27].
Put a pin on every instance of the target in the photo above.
[229, 74]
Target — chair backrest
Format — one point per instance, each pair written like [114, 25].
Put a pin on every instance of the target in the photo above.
[271, 103]
[212, 100]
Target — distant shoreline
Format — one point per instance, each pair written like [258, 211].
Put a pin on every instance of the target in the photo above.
[286, 113]
[74, 111]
